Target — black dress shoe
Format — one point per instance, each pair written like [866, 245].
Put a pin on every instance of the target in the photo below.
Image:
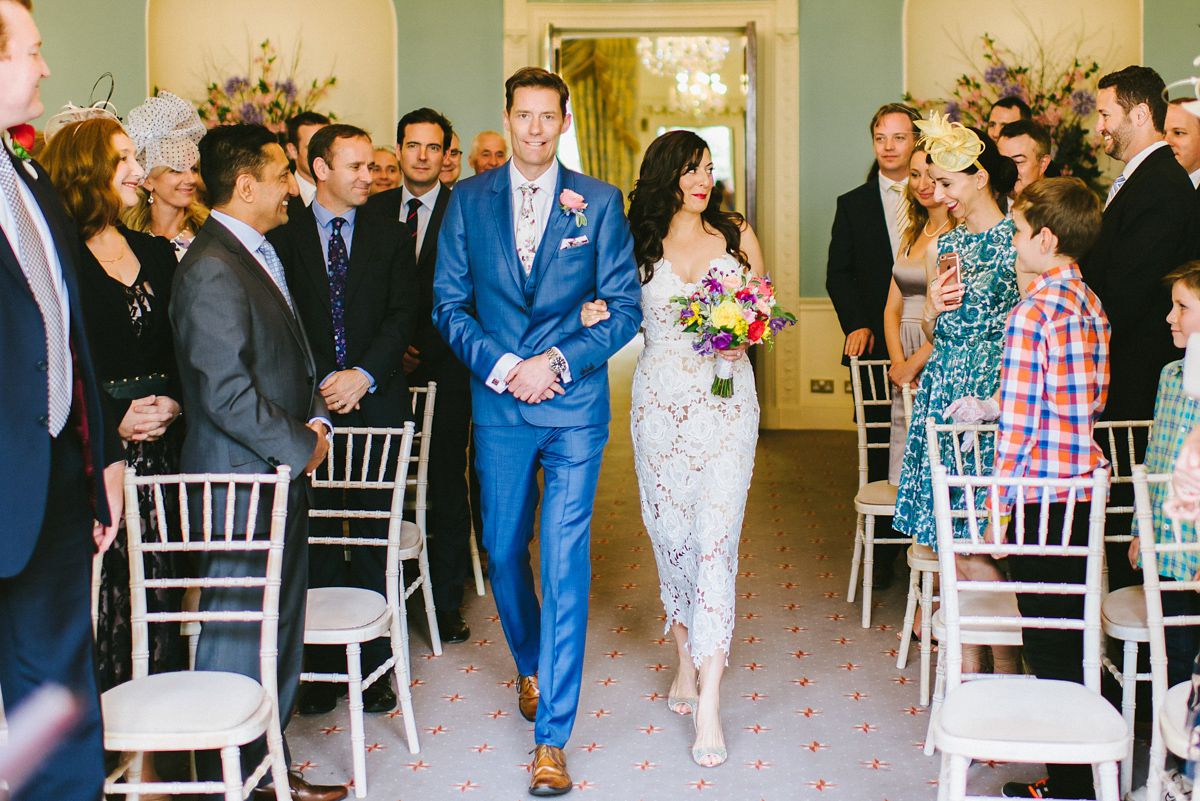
[317, 698]
[882, 576]
[380, 697]
[451, 626]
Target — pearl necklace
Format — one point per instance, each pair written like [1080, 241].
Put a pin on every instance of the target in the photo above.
[936, 230]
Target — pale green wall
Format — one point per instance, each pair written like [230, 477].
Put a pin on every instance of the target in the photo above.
[451, 54]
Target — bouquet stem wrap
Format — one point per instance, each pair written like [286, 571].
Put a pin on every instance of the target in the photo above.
[723, 383]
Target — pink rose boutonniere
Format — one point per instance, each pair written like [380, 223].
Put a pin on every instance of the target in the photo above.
[571, 202]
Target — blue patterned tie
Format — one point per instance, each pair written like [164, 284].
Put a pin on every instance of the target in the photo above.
[1116, 187]
[339, 265]
[275, 270]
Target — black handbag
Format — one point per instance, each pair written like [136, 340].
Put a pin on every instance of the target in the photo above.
[137, 387]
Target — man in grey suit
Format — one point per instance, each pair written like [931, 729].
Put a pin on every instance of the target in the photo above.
[249, 385]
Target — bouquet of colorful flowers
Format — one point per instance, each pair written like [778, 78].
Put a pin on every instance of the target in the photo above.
[731, 308]
[267, 98]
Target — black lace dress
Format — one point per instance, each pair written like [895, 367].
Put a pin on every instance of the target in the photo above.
[130, 335]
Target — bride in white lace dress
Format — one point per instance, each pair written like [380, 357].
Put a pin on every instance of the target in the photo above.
[693, 451]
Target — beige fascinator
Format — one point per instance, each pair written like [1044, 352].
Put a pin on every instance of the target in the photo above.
[72, 113]
[166, 131]
[950, 145]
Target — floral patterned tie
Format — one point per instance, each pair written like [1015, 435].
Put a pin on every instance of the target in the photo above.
[339, 265]
[527, 228]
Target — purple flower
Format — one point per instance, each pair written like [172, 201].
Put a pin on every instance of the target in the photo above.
[776, 324]
[722, 341]
[288, 87]
[251, 113]
[236, 84]
[713, 285]
[953, 112]
[997, 75]
[1083, 102]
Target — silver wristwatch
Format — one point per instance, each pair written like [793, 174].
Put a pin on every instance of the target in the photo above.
[558, 362]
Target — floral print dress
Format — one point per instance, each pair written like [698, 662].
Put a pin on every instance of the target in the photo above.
[968, 346]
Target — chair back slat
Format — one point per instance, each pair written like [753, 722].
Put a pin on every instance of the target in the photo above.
[423, 405]
[1121, 440]
[1153, 552]
[877, 391]
[973, 539]
[241, 495]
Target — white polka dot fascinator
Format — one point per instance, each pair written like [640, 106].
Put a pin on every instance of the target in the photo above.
[165, 130]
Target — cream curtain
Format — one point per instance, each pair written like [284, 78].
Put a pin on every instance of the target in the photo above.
[602, 75]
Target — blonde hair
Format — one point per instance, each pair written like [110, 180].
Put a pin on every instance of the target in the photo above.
[82, 161]
[138, 217]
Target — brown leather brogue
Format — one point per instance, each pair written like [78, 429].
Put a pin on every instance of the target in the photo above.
[303, 791]
[549, 771]
[527, 696]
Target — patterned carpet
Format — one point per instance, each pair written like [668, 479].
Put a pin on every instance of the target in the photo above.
[812, 704]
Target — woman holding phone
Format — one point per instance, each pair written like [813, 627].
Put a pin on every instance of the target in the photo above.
[973, 287]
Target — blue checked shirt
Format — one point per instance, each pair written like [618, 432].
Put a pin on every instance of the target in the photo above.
[1053, 383]
[1175, 415]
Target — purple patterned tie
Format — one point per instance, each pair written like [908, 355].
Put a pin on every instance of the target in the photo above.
[339, 265]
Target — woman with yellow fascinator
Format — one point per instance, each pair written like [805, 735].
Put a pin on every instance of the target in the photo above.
[972, 289]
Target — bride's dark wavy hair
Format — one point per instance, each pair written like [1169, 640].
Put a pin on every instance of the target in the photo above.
[656, 198]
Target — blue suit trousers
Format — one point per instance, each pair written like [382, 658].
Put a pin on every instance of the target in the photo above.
[546, 638]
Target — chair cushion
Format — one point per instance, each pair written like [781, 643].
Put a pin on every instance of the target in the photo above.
[923, 558]
[339, 615]
[184, 710]
[1124, 614]
[877, 493]
[1030, 720]
[1172, 724]
[983, 603]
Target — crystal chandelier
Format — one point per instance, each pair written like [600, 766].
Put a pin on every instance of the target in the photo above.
[694, 62]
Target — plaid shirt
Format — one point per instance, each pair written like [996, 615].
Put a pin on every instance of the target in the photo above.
[1175, 415]
[1053, 384]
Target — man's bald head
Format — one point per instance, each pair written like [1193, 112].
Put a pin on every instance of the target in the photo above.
[488, 150]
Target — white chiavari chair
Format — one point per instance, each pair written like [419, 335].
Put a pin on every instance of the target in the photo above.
[175, 711]
[1017, 718]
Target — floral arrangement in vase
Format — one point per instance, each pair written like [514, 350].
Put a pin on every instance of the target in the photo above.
[265, 94]
[1059, 92]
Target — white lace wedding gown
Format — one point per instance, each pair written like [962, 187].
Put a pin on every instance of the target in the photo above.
[694, 453]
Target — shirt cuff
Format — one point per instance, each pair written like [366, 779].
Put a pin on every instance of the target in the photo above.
[328, 427]
[370, 378]
[565, 375]
[496, 379]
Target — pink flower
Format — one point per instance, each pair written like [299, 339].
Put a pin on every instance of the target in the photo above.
[763, 307]
[730, 282]
[571, 200]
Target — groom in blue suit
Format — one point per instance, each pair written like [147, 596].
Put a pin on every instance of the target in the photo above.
[517, 257]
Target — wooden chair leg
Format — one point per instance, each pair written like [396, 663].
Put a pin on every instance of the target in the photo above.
[1158, 762]
[231, 772]
[910, 614]
[939, 692]
[1128, 708]
[926, 633]
[868, 568]
[435, 636]
[404, 682]
[133, 774]
[476, 567]
[855, 561]
[1106, 782]
[358, 742]
[956, 789]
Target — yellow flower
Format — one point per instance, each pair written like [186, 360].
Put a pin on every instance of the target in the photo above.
[727, 315]
[741, 326]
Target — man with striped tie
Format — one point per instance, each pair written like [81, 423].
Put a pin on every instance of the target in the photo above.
[250, 390]
[1151, 226]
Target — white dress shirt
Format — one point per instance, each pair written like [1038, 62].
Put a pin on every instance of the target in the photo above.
[543, 205]
[9, 226]
[1195, 176]
[891, 202]
[424, 211]
[307, 190]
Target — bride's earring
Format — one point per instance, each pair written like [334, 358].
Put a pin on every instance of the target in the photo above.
[150, 197]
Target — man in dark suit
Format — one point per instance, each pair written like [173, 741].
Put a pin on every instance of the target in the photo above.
[421, 201]
[862, 247]
[1183, 135]
[62, 461]
[350, 270]
[1150, 228]
[249, 386]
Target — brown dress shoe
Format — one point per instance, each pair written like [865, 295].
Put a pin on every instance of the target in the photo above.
[549, 771]
[527, 696]
[303, 791]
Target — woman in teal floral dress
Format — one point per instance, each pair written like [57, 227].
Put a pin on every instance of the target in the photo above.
[966, 308]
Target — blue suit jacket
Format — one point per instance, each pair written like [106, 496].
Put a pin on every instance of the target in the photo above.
[485, 306]
[25, 459]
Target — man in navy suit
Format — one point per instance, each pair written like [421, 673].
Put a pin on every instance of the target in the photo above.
[517, 257]
[62, 462]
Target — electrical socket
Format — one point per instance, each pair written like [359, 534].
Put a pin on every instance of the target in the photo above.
[823, 386]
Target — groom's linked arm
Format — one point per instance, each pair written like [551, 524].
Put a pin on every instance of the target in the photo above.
[454, 297]
[617, 284]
